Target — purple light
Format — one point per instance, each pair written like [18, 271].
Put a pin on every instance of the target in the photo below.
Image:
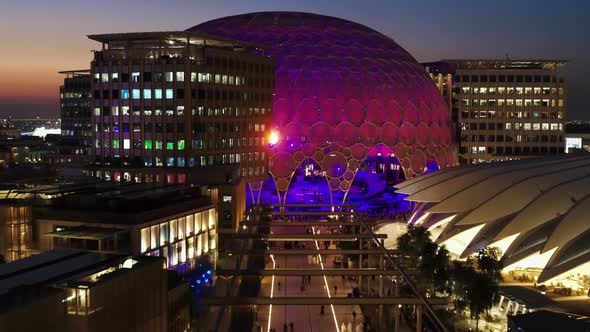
[343, 88]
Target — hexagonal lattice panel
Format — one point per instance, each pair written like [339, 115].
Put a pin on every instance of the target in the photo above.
[341, 88]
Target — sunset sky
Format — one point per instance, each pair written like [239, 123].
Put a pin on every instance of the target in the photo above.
[40, 38]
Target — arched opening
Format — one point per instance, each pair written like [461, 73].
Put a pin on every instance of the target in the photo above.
[268, 193]
[308, 185]
[431, 165]
[372, 189]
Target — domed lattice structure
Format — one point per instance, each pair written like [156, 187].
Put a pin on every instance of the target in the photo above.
[341, 90]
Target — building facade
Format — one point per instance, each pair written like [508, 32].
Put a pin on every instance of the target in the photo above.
[504, 109]
[168, 104]
[81, 291]
[75, 111]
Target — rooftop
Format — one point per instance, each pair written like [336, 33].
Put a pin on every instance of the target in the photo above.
[523, 64]
[544, 320]
[171, 38]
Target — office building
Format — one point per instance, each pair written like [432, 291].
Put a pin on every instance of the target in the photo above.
[173, 106]
[172, 221]
[503, 109]
[75, 112]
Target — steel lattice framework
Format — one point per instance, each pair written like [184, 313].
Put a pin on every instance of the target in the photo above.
[343, 89]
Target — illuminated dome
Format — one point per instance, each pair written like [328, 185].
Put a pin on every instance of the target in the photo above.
[342, 90]
[535, 210]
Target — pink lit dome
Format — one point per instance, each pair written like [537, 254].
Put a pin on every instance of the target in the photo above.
[342, 92]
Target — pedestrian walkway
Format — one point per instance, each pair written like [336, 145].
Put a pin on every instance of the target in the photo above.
[307, 317]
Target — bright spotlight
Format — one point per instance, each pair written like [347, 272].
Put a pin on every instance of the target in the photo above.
[273, 138]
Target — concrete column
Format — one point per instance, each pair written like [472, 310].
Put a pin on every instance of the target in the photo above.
[396, 309]
[396, 318]
[360, 284]
[419, 318]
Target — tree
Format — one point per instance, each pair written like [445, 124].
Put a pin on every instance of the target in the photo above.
[472, 289]
[490, 262]
[483, 290]
[432, 260]
[414, 241]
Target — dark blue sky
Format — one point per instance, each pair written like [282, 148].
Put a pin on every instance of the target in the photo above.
[40, 38]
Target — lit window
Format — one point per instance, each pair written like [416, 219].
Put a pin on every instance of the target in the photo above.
[97, 111]
[169, 93]
[169, 77]
[180, 162]
[181, 144]
[105, 77]
[125, 110]
[135, 77]
[115, 110]
[193, 77]
[115, 144]
[147, 93]
[527, 126]
[126, 144]
[169, 146]
[158, 93]
[170, 161]
[147, 144]
[125, 94]
[135, 94]
[158, 145]
[227, 199]
[180, 76]
[545, 126]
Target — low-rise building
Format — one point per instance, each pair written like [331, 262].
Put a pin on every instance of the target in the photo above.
[82, 291]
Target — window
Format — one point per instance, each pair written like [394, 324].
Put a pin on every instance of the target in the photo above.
[135, 77]
[147, 93]
[115, 144]
[126, 144]
[180, 76]
[147, 144]
[168, 76]
[180, 162]
[181, 144]
[527, 126]
[170, 161]
[124, 93]
[169, 93]
[125, 110]
[169, 146]
[115, 110]
[193, 76]
[135, 94]
[227, 198]
[158, 145]
[158, 93]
